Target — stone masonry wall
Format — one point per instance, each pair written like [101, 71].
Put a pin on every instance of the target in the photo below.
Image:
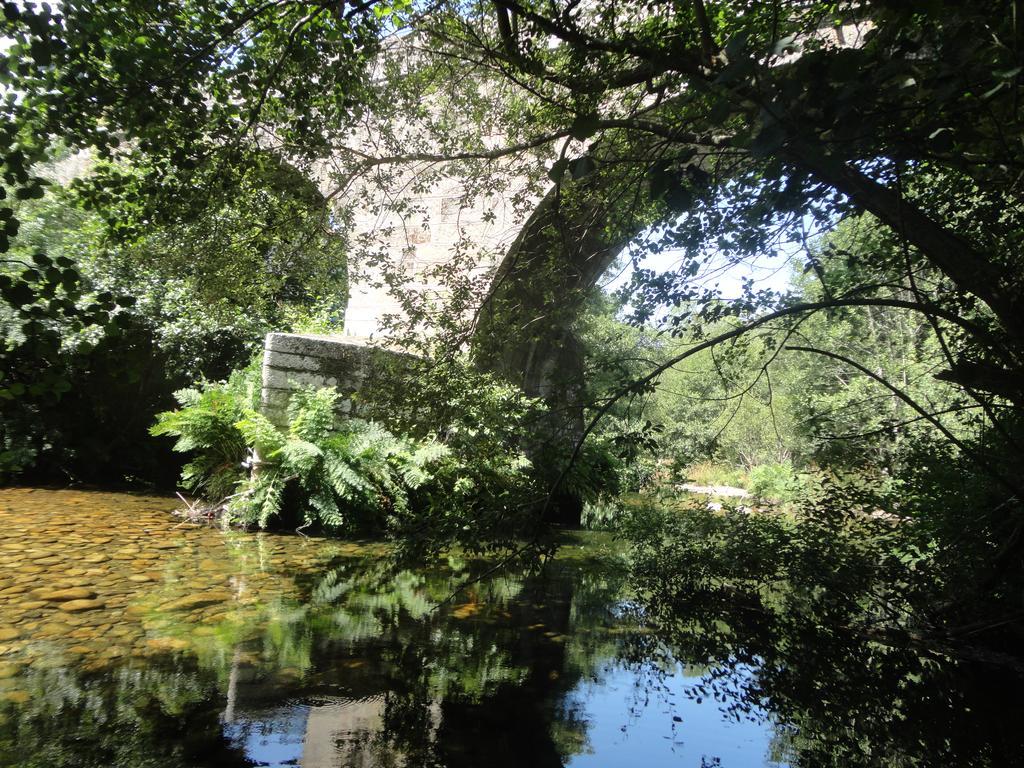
[293, 361]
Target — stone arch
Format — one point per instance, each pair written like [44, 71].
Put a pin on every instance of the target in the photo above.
[524, 329]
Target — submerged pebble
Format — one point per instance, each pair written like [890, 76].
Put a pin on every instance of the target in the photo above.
[75, 606]
[116, 576]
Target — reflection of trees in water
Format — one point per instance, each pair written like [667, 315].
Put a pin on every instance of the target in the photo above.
[358, 664]
[373, 668]
[478, 682]
[157, 717]
[842, 692]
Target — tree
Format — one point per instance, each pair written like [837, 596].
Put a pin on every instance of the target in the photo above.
[729, 126]
[181, 95]
[172, 102]
[748, 120]
[816, 106]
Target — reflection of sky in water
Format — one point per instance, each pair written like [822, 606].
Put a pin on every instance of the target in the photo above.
[629, 724]
[328, 733]
[129, 640]
[272, 738]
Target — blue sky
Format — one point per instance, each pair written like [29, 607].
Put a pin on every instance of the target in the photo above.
[765, 271]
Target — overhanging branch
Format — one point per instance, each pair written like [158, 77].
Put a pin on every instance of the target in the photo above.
[796, 309]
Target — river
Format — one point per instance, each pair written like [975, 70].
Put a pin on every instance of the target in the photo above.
[129, 638]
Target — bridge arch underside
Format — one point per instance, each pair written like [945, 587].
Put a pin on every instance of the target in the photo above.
[525, 331]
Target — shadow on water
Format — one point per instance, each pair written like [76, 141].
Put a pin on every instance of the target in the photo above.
[128, 639]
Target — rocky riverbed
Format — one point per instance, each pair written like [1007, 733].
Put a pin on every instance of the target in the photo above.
[98, 578]
[132, 638]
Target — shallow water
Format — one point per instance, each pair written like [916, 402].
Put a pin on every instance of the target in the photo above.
[129, 638]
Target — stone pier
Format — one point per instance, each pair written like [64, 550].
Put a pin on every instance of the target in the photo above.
[297, 361]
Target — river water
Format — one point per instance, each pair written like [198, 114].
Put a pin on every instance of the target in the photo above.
[129, 638]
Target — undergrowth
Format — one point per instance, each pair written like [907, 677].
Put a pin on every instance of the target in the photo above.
[346, 475]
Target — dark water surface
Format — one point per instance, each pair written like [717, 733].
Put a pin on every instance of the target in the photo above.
[128, 638]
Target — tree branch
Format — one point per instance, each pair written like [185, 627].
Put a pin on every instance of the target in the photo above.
[953, 439]
[796, 309]
[969, 270]
[707, 41]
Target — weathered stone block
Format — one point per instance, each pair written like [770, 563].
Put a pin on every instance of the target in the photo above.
[296, 361]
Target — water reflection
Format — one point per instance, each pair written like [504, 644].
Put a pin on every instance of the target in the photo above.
[129, 639]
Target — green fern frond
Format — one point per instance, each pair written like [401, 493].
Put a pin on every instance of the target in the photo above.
[187, 397]
[311, 414]
[298, 457]
[260, 433]
[430, 452]
[267, 498]
[413, 476]
[345, 481]
[327, 509]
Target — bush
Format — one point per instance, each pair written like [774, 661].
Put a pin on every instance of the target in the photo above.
[92, 425]
[711, 473]
[355, 475]
[774, 481]
[465, 483]
[602, 514]
[206, 426]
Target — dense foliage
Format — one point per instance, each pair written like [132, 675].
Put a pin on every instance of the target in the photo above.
[170, 99]
[875, 145]
[138, 318]
[467, 481]
[838, 619]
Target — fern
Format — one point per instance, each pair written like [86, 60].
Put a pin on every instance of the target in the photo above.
[187, 397]
[298, 457]
[327, 509]
[417, 465]
[260, 500]
[260, 433]
[355, 472]
[269, 499]
[347, 474]
[205, 425]
[346, 482]
[311, 414]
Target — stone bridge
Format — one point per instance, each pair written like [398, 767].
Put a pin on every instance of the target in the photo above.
[410, 244]
[540, 271]
[516, 254]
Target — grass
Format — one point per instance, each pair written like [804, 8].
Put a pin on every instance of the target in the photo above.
[713, 473]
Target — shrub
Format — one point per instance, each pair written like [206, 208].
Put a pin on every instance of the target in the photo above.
[465, 483]
[354, 475]
[711, 473]
[205, 425]
[602, 514]
[774, 481]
